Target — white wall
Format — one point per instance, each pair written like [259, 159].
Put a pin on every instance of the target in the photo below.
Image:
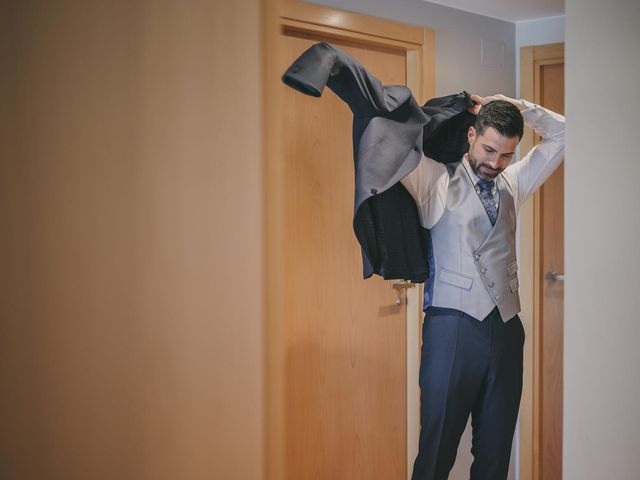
[602, 256]
[540, 31]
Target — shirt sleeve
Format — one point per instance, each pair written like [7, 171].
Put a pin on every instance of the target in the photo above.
[428, 184]
[527, 175]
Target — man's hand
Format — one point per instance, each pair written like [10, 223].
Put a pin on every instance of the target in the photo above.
[479, 101]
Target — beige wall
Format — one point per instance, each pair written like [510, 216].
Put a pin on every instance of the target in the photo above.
[130, 240]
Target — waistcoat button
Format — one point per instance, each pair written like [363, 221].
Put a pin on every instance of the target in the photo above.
[498, 297]
[491, 284]
[477, 256]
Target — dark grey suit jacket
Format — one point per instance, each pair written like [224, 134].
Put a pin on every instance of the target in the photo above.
[390, 133]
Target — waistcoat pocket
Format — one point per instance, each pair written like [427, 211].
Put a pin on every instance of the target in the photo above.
[455, 279]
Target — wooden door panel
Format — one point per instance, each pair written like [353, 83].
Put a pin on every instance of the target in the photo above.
[552, 299]
[541, 225]
[344, 337]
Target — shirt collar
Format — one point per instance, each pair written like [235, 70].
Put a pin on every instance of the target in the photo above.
[474, 178]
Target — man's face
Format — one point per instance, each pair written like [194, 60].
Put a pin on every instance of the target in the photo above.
[490, 153]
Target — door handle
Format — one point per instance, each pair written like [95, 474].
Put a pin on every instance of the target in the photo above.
[554, 277]
[399, 287]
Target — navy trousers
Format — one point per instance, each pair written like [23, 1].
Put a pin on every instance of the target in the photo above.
[468, 367]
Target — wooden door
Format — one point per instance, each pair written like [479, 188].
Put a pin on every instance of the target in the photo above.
[345, 364]
[339, 350]
[551, 292]
[542, 223]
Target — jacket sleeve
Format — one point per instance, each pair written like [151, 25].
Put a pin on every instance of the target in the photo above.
[323, 64]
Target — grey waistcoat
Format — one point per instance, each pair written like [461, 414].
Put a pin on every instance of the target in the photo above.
[474, 264]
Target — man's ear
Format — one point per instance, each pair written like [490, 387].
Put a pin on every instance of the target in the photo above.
[471, 134]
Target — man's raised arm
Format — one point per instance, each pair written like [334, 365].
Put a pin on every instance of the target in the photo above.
[428, 184]
[527, 175]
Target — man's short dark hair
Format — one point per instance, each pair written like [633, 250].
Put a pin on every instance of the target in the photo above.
[501, 115]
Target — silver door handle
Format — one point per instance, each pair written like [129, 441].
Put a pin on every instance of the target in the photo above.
[398, 287]
[554, 277]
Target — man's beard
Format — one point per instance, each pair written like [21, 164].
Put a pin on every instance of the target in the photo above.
[475, 166]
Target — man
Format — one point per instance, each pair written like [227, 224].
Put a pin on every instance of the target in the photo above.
[472, 336]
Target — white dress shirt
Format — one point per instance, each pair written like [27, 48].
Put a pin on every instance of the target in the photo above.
[429, 182]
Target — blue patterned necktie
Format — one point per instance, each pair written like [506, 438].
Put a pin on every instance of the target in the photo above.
[486, 197]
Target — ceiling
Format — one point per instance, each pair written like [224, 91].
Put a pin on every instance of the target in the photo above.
[509, 10]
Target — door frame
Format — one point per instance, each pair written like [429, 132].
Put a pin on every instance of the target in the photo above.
[419, 45]
[532, 59]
